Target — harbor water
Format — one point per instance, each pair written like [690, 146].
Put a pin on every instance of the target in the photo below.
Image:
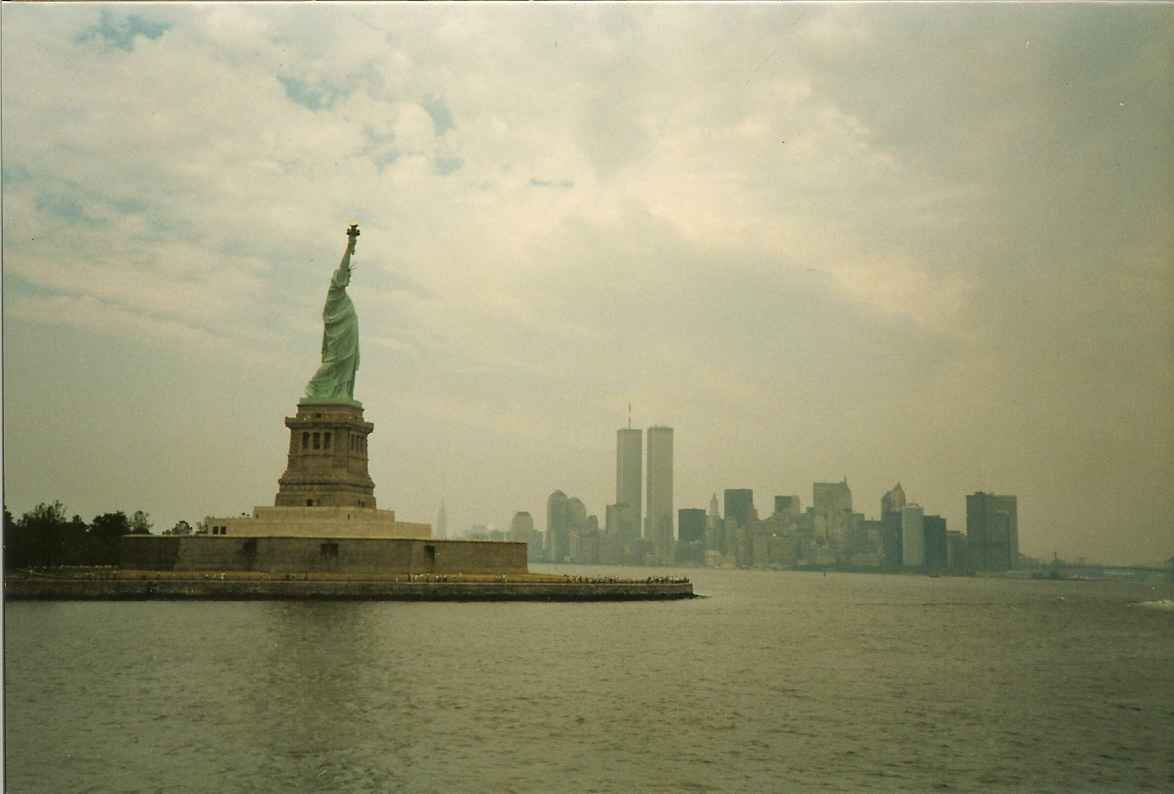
[774, 681]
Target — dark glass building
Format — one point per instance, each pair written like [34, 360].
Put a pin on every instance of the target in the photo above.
[787, 505]
[992, 531]
[739, 505]
[691, 525]
[935, 543]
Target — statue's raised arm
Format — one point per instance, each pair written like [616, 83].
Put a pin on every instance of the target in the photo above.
[335, 379]
[352, 237]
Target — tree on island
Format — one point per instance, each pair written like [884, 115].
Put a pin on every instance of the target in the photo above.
[9, 530]
[44, 538]
[140, 523]
[38, 538]
[106, 529]
[181, 528]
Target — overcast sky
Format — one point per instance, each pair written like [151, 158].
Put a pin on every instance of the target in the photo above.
[921, 244]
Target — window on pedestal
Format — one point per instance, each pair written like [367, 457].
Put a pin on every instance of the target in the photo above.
[317, 441]
[326, 440]
[305, 440]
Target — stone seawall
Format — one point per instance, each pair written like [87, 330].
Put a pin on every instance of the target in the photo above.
[237, 589]
[331, 555]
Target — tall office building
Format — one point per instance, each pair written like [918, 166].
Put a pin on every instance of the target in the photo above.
[892, 503]
[629, 450]
[956, 553]
[691, 524]
[893, 500]
[713, 525]
[833, 510]
[440, 530]
[739, 504]
[788, 506]
[557, 530]
[576, 513]
[521, 526]
[831, 497]
[611, 518]
[658, 526]
[912, 536]
[936, 555]
[992, 531]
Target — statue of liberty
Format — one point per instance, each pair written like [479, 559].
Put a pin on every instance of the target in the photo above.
[335, 379]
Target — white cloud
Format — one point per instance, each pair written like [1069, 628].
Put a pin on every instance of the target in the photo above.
[715, 211]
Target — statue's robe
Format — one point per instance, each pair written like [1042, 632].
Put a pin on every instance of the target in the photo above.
[335, 378]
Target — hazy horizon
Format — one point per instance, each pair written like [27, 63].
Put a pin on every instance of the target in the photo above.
[926, 244]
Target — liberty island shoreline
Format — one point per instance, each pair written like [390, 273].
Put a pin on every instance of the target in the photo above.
[129, 585]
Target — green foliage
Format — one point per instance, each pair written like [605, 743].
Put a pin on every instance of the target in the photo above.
[10, 529]
[110, 525]
[106, 530]
[140, 523]
[39, 538]
[44, 538]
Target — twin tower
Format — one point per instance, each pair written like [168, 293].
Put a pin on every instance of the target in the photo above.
[629, 509]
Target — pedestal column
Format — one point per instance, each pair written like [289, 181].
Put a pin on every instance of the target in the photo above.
[327, 457]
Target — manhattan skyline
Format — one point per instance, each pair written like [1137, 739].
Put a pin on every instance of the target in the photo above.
[924, 244]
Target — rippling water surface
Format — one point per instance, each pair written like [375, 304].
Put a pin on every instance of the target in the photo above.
[776, 681]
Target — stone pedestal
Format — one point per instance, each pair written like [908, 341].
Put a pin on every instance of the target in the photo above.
[327, 457]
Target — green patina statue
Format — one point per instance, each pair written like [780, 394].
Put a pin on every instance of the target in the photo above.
[335, 379]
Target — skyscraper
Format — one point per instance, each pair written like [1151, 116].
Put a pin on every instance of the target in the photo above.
[832, 497]
[787, 506]
[992, 531]
[893, 500]
[557, 532]
[892, 503]
[713, 526]
[833, 509]
[739, 504]
[521, 526]
[713, 511]
[935, 543]
[658, 526]
[629, 450]
[912, 536]
[576, 513]
[691, 524]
